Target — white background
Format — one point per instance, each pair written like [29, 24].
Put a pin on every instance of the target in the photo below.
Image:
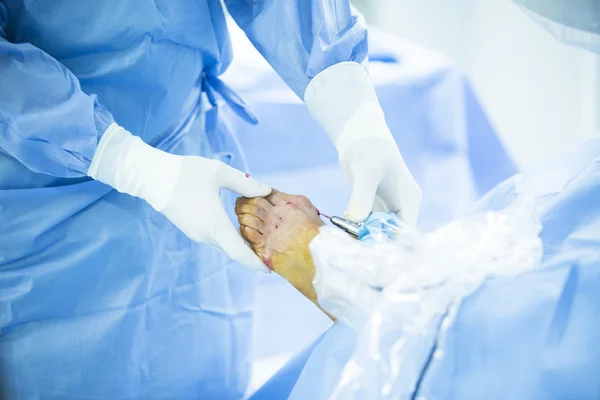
[540, 94]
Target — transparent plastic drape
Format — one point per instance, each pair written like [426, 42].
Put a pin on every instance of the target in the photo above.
[400, 289]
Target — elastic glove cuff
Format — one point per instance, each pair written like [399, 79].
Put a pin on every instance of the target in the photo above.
[343, 100]
[129, 165]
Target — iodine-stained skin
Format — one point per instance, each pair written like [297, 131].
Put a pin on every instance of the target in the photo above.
[279, 228]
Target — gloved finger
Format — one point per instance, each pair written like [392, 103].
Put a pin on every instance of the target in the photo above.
[242, 183]
[230, 241]
[409, 212]
[379, 205]
[403, 199]
[364, 188]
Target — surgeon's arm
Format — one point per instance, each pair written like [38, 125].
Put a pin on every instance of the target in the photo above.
[46, 121]
[51, 126]
[319, 48]
[301, 38]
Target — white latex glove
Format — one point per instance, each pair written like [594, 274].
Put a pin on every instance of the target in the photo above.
[343, 100]
[183, 188]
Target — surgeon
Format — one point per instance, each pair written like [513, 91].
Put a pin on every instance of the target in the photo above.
[120, 293]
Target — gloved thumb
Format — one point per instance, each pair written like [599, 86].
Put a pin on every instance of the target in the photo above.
[242, 183]
[230, 241]
[364, 188]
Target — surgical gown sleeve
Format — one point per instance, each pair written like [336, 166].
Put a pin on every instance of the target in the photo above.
[46, 121]
[301, 38]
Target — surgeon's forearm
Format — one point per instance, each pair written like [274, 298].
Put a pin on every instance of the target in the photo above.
[47, 122]
[317, 34]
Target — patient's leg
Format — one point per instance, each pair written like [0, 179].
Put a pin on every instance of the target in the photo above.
[279, 229]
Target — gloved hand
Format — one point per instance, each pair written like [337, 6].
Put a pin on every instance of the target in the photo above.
[343, 100]
[183, 188]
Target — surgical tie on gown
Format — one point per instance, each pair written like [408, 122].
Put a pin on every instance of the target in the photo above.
[100, 296]
[531, 336]
[575, 22]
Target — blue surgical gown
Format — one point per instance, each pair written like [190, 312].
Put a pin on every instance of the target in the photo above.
[101, 296]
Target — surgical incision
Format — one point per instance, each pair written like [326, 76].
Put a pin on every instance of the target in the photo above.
[279, 228]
